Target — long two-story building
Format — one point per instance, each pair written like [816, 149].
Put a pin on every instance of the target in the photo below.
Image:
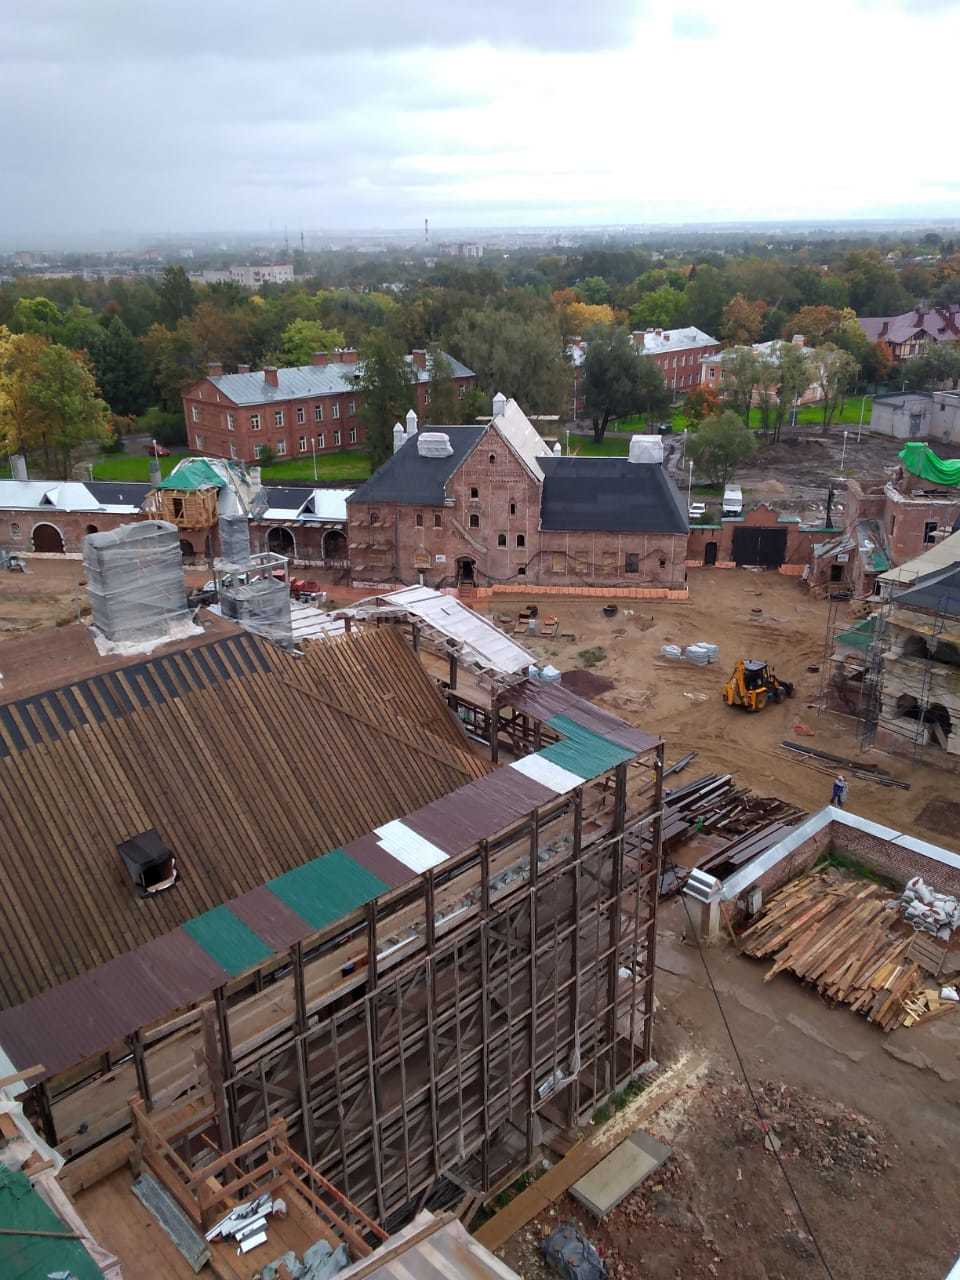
[296, 411]
[493, 506]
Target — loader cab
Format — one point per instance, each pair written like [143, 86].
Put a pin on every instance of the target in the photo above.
[754, 674]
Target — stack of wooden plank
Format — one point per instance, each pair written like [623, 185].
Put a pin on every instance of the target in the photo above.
[824, 762]
[840, 936]
[745, 824]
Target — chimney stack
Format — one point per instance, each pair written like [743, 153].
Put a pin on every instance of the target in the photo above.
[499, 404]
[214, 369]
[319, 357]
[419, 359]
[398, 436]
[18, 466]
[797, 339]
[270, 376]
[243, 368]
[411, 424]
[557, 451]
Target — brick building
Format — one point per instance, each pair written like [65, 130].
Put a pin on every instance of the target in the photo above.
[492, 506]
[677, 353]
[52, 517]
[713, 372]
[292, 412]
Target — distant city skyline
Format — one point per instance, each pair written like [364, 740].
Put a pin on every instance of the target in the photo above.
[538, 113]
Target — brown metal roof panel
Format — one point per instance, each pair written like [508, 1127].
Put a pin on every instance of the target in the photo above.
[179, 967]
[372, 856]
[270, 918]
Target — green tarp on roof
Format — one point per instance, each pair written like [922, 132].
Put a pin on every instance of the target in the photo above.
[920, 460]
[36, 1257]
[195, 474]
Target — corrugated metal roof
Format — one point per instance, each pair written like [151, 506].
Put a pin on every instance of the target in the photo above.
[299, 381]
[612, 494]
[54, 495]
[667, 340]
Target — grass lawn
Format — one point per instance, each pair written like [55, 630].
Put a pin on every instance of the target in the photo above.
[811, 415]
[344, 465]
[611, 446]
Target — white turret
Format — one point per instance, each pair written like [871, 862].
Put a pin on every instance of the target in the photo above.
[398, 436]
[499, 404]
[411, 424]
[557, 451]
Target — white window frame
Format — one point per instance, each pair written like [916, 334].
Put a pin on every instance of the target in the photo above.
[320, 440]
[352, 438]
[302, 444]
[336, 439]
[254, 422]
[301, 414]
[351, 408]
[278, 417]
[233, 450]
[461, 391]
[198, 441]
[318, 413]
[258, 451]
[231, 422]
[195, 413]
[335, 410]
[281, 449]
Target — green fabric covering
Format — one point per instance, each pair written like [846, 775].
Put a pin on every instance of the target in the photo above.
[327, 888]
[34, 1257]
[583, 752]
[227, 940]
[195, 474]
[860, 635]
[920, 460]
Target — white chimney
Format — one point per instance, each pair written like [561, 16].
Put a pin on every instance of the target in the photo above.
[499, 404]
[398, 436]
[557, 451]
[411, 424]
[646, 449]
[255, 480]
[434, 444]
[18, 466]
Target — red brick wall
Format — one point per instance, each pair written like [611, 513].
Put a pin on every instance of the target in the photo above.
[799, 540]
[423, 396]
[216, 438]
[16, 527]
[507, 505]
[904, 523]
[681, 369]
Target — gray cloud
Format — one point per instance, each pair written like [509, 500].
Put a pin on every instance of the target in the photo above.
[691, 25]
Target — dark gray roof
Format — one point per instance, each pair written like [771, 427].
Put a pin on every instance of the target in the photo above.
[409, 478]
[610, 494]
[116, 493]
[937, 592]
[304, 380]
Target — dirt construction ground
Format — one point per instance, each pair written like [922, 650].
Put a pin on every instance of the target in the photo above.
[751, 615]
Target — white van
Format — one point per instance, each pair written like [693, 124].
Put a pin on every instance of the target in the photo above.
[732, 500]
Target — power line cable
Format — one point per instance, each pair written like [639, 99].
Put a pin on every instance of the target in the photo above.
[764, 1122]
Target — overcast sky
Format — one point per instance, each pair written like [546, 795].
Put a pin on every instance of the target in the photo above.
[189, 115]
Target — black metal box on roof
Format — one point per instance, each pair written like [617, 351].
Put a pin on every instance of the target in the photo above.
[150, 865]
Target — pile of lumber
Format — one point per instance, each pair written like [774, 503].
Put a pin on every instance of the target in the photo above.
[743, 824]
[830, 764]
[840, 936]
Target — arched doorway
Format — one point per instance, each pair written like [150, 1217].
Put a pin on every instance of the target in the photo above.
[186, 549]
[91, 528]
[466, 569]
[334, 545]
[48, 538]
[710, 553]
[280, 542]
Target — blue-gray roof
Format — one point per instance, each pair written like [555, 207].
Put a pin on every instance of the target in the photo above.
[610, 494]
[302, 381]
[408, 477]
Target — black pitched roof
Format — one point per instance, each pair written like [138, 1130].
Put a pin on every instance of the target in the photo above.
[938, 592]
[409, 478]
[612, 494]
[286, 495]
[115, 493]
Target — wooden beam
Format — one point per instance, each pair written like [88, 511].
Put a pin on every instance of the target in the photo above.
[29, 1074]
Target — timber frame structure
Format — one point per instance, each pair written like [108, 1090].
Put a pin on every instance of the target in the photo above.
[426, 1038]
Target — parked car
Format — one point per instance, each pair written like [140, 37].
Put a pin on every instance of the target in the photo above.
[733, 500]
[697, 510]
[158, 450]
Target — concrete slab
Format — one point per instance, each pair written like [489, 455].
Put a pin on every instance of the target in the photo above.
[619, 1173]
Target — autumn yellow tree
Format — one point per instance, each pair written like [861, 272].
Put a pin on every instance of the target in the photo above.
[742, 320]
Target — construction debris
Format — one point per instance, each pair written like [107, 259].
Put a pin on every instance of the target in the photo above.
[247, 1223]
[924, 908]
[840, 936]
[827, 763]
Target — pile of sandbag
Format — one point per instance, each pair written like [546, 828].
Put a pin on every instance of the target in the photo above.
[924, 908]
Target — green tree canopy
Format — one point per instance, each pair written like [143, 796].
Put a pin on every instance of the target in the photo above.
[301, 338]
[618, 381]
[445, 405]
[521, 357]
[741, 373]
[120, 366]
[177, 295]
[720, 445]
[388, 392]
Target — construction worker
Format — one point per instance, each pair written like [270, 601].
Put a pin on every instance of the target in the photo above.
[839, 797]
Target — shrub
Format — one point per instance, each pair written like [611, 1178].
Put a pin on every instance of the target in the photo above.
[166, 428]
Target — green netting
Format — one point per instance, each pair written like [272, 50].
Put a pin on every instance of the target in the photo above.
[228, 940]
[920, 460]
[195, 474]
[36, 1257]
